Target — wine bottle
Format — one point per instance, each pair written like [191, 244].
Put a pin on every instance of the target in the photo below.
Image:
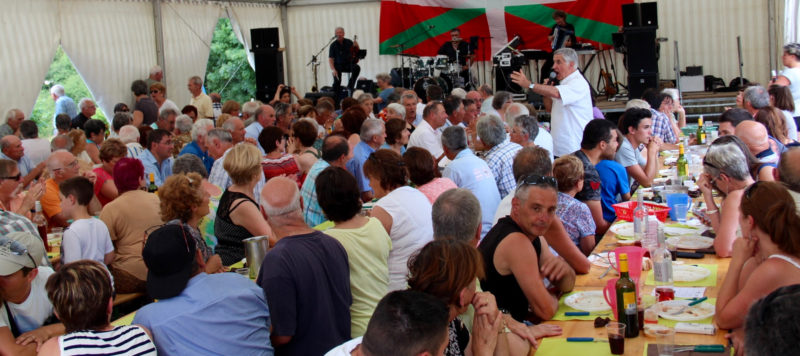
[152, 188]
[625, 288]
[701, 132]
[40, 221]
[683, 163]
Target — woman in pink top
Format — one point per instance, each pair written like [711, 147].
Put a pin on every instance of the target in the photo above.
[424, 173]
[110, 152]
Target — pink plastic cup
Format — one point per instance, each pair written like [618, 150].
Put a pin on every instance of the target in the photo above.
[610, 294]
[635, 255]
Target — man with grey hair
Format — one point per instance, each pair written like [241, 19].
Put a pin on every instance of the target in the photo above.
[456, 215]
[789, 174]
[305, 277]
[335, 152]
[486, 96]
[249, 111]
[470, 172]
[64, 143]
[219, 142]
[11, 122]
[64, 104]
[427, 135]
[199, 99]
[235, 126]
[572, 102]
[166, 120]
[198, 145]
[156, 75]
[537, 135]
[500, 155]
[129, 135]
[340, 60]
[373, 135]
[411, 103]
[120, 119]
[384, 81]
[11, 148]
[88, 109]
[184, 124]
[755, 97]
[500, 102]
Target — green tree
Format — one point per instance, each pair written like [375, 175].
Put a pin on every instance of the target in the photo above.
[228, 72]
[61, 72]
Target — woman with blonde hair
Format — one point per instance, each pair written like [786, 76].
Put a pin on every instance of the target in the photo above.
[238, 215]
[185, 202]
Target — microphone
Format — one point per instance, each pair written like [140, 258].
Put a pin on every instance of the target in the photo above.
[333, 38]
[552, 78]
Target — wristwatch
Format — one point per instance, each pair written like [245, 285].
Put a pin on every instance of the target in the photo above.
[531, 86]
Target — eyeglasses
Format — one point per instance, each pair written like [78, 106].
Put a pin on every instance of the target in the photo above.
[16, 248]
[16, 177]
[534, 179]
[707, 163]
[154, 92]
[72, 164]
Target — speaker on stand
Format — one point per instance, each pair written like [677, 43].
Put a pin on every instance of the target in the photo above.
[268, 60]
[638, 42]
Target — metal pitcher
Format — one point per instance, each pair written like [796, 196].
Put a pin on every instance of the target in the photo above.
[255, 248]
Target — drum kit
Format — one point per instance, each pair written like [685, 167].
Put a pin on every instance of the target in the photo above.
[439, 70]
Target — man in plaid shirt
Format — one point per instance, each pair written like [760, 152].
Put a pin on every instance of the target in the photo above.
[502, 151]
[10, 222]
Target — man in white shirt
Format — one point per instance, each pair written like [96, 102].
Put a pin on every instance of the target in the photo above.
[572, 102]
[199, 100]
[427, 135]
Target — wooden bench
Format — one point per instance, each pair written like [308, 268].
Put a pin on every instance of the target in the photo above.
[126, 297]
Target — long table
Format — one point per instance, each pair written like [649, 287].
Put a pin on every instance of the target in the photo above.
[636, 346]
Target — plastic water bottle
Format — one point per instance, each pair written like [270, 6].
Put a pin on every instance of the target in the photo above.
[639, 218]
[650, 240]
[662, 261]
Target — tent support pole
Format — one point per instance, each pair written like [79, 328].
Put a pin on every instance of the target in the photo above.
[157, 24]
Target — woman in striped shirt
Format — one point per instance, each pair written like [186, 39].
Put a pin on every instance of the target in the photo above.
[82, 297]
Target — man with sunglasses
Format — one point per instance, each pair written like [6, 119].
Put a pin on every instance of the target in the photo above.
[26, 309]
[11, 148]
[517, 259]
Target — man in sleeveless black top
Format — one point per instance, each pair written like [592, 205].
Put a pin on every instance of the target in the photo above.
[517, 260]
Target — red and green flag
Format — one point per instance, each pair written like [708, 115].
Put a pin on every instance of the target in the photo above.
[420, 27]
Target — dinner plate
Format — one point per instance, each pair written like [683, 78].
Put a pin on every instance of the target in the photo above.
[601, 259]
[591, 301]
[697, 312]
[689, 273]
[690, 242]
[623, 230]
[680, 230]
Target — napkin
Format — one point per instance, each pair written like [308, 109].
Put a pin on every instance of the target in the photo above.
[559, 347]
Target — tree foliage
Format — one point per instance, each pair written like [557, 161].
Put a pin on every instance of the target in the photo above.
[61, 72]
[228, 72]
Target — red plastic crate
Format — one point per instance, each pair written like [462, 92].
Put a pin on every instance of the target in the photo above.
[625, 210]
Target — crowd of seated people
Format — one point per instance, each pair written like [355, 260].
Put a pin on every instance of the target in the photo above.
[444, 224]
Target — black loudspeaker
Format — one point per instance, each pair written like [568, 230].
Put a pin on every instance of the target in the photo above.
[649, 14]
[401, 77]
[638, 83]
[268, 60]
[503, 80]
[640, 15]
[641, 55]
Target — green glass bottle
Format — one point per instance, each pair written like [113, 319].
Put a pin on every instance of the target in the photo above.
[701, 132]
[627, 312]
[152, 188]
[683, 164]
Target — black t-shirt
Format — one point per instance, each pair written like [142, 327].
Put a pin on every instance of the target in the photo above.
[341, 53]
[306, 280]
[563, 32]
[78, 121]
[591, 179]
[448, 50]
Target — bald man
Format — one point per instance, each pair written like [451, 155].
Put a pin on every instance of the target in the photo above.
[62, 165]
[305, 277]
[754, 135]
[11, 148]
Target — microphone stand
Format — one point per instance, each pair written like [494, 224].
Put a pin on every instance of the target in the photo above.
[314, 63]
[400, 48]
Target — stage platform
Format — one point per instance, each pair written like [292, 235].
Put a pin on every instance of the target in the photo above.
[708, 104]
